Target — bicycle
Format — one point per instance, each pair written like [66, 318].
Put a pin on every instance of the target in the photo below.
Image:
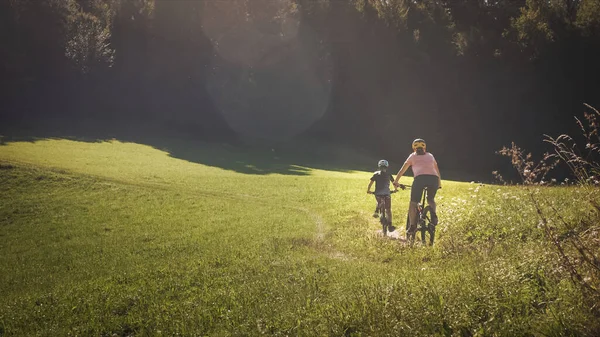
[383, 219]
[424, 224]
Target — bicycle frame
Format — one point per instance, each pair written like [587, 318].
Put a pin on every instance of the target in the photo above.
[424, 224]
[419, 211]
[385, 225]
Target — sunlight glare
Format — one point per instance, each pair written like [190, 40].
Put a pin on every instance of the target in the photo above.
[270, 75]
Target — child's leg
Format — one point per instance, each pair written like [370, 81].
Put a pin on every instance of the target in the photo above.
[388, 208]
[376, 212]
[388, 211]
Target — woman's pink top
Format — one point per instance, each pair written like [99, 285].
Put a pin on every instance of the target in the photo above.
[422, 164]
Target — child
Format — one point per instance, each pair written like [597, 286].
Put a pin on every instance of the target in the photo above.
[382, 181]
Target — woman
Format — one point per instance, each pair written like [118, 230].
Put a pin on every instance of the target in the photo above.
[427, 175]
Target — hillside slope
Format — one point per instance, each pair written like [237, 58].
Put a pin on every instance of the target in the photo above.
[119, 238]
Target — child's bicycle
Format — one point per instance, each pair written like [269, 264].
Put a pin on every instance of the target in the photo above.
[386, 226]
[424, 223]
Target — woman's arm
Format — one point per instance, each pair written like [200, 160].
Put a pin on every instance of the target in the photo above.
[437, 169]
[401, 172]
[392, 181]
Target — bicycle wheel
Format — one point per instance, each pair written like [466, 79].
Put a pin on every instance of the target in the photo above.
[428, 228]
[384, 223]
[410, 236]
[422, 228]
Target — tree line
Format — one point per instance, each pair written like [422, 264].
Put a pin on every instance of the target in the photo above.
[467, 75]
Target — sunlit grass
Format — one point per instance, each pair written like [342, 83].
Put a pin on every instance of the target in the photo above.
[120, 238]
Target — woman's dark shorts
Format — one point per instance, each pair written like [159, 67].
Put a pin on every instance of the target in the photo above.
[430, 181]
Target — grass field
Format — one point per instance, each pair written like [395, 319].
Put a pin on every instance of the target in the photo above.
[111, 238]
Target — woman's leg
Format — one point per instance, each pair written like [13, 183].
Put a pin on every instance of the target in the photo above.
[433, 185]
[415, 197]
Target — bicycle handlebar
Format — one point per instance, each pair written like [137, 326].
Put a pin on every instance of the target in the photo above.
[409, 186]
[391, 192]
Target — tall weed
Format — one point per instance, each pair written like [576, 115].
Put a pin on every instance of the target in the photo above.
[573, 232]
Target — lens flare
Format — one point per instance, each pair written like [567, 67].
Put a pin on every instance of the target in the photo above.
[270, 75]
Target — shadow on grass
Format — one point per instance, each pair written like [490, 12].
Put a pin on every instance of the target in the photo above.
[224, 152]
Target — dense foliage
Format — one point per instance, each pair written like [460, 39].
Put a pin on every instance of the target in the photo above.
[468, 75]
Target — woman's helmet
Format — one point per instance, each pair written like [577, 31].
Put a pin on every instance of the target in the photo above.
[383, 163]
[419, 144]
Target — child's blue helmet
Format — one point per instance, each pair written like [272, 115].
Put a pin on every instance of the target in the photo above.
[383, 163]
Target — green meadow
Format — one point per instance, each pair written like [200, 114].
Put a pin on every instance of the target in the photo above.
[122, 239]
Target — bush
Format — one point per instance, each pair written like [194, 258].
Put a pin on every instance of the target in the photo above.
[572, 232]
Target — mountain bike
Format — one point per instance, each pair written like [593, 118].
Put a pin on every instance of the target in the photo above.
[424, 224]
[386, 226]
